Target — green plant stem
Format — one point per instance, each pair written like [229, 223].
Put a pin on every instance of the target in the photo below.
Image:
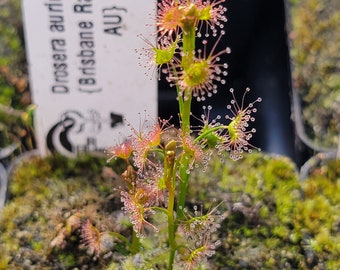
[185, 114]
[135, 243]
[171, 228]
[122, 238]
[183, 185]
[10, 111]
[185, 99]
[209, 131]
[170, 184]
[188, 46]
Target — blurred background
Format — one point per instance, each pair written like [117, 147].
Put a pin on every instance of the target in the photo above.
[257, 35]
[279, 49]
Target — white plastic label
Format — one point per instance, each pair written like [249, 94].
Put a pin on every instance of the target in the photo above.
[85, 76]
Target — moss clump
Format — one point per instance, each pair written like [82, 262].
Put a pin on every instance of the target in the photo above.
[274, 221]
[317, 216]
[43, 194]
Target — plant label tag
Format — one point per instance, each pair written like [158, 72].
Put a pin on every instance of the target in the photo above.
[85, 76]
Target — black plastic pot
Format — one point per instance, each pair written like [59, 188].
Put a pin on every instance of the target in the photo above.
[3, 185]
[9, 159]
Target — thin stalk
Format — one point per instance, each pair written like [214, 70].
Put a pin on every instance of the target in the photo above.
[170, 177]
[185, 99]
[122, 238]
[171, 228]
[185, 114]
[209, 131]
[183, 185]
[188, 48]
[186, 95]
[135, 243]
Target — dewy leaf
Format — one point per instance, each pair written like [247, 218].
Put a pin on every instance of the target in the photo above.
[204, 14]
[165, 54]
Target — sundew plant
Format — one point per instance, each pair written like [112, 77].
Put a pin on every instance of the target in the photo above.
[160, 157]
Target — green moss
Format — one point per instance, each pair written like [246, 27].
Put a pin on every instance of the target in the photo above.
[67, 260]
[315, 37]
[333, 265]
[275, 212]
[4, 260]
[281, 231]
[318, 215]
[113, 266]
[272, 217]
[31, 172]
[272, 243]
[42, 198]
[37, 246]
